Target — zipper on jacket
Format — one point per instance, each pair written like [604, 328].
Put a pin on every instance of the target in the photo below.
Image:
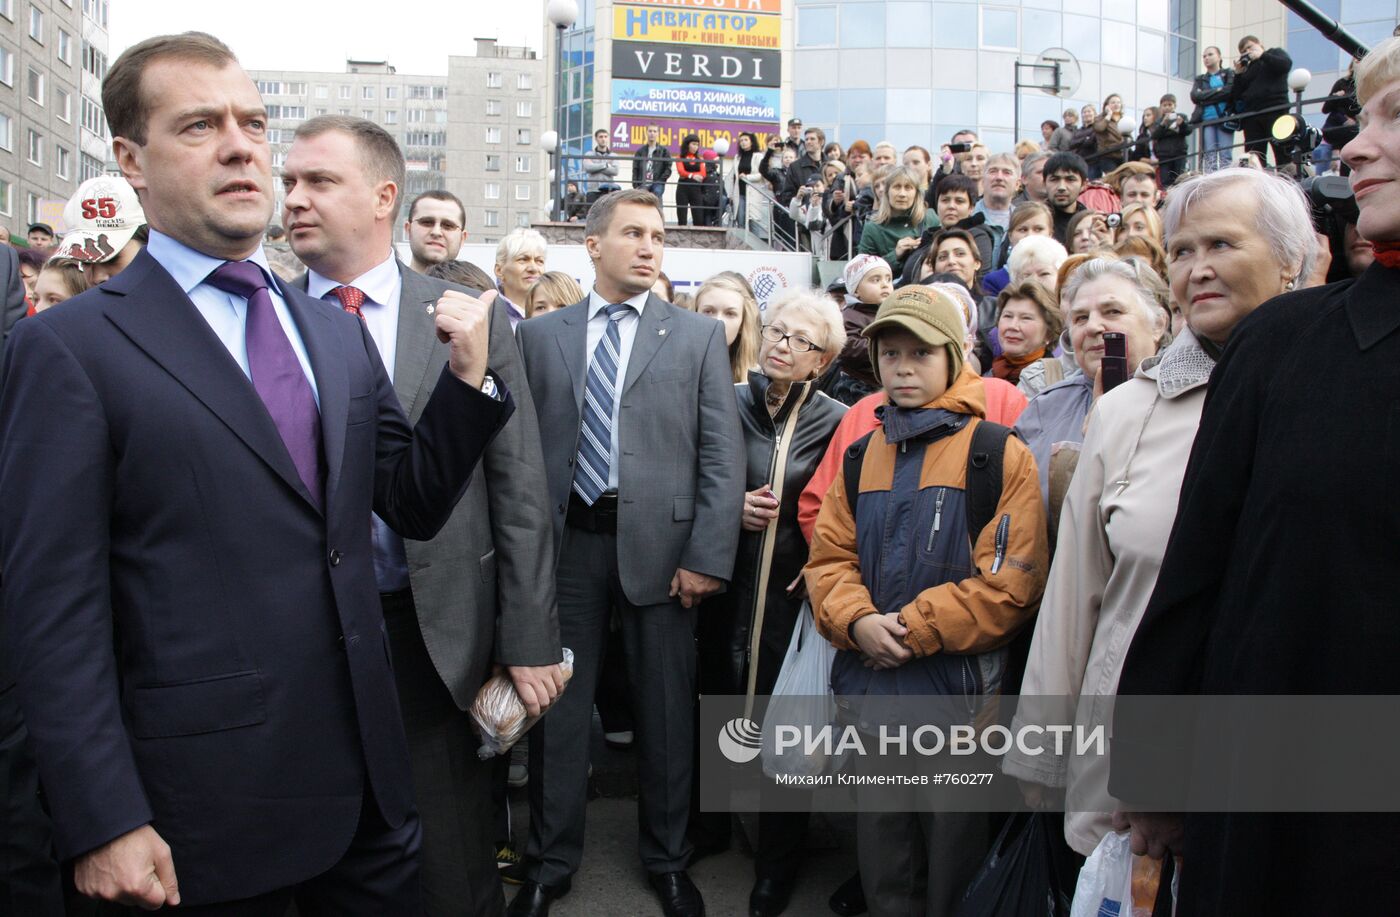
[1003, 533]
[937, 517]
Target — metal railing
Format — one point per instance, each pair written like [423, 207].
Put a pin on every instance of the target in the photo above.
[1197, 160]
[704, 203]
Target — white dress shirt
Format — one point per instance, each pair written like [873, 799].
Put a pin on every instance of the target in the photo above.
[627, 330]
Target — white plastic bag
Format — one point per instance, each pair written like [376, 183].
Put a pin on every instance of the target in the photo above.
[801, 698]
[1115, 882]
[500, 715]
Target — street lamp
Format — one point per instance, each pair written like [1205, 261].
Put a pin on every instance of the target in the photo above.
[562, 14]
[549, 142]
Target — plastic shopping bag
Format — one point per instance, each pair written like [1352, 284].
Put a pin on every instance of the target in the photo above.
[1021, 876]
[1116, 883]
[500, 715]
[801, 698]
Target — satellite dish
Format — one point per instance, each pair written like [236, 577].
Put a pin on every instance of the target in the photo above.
[1045, 72]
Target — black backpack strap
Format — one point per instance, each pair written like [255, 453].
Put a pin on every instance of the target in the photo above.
[850, 469]
[984, 469]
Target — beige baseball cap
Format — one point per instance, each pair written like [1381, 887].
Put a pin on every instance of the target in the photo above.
[101, 218]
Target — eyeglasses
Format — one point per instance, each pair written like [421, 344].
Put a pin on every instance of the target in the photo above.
[773, 334]
[429, 223]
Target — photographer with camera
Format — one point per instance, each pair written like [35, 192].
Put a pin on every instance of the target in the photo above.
[1261, 83]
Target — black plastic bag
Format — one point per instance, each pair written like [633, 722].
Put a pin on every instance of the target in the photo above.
[1024, 874]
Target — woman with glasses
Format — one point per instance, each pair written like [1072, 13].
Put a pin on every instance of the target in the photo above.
[744, 633]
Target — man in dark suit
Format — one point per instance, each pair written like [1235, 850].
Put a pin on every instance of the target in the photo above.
[12, 288]
[486, 581]
[646, 483]
[189, 455]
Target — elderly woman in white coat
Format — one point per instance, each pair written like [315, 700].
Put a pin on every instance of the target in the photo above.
[1237, 237]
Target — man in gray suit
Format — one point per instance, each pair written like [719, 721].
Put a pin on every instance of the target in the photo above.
[646, 484]
[441, 598]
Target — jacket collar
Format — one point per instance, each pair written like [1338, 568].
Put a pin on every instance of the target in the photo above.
[1182, 367]
[1373, 305]
[795, 398]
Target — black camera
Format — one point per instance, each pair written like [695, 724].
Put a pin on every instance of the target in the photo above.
[960, 147]
[1332, 202]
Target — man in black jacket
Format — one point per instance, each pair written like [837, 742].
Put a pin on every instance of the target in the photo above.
[1261, 83]
[1210, 92]
[651, 164]
[1169, 137]
[806, 166]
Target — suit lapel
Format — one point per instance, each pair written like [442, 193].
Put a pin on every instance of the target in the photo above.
[652, 331]
[159, 318]
[413, 352]
[573, 341]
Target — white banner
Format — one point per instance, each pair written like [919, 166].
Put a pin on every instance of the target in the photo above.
[769, 273]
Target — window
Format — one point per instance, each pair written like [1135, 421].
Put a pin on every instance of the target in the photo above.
[36, 147]
[36, 24]
[63, 162]
[287, 112]
[31, 208]
[493, 191]
[342, 111]
[320, 111]
[522, 192]
[420, 92]
[7, 9]
[367, 114]
[493, 135]
[522, 164]
[493, 163]
[35, 86]
[522, 136]
[439, 93]
[7, 67]
[366, 92]
[999, 28]
[494, 81]
[92, 117]
[493, 106]
[391, 117]
[65, 47]
[7, 132]
[426, 138]
[269, 87]
[4, 197]
[492, 218]
[343, 91]
[522, 219]
[94, 61]
[524, 109]
[88, 167]
[296, 89]
[816, 26]
[63, 105]
[323, 92]
[96, 10]
[524, 81]
[417, 115]
[391, 92]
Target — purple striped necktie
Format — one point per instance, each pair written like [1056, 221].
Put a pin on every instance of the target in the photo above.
[276, 372]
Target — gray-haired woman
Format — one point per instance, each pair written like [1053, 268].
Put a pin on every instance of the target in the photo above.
[1237, 237]
[744, 633]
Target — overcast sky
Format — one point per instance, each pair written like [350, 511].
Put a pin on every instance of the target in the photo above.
[321, 35]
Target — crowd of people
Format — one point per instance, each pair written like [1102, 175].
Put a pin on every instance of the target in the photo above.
[275, 504]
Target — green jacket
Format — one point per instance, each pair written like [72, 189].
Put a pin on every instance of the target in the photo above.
[881, 238]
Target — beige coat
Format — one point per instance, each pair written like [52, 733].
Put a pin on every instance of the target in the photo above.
[1113, 533]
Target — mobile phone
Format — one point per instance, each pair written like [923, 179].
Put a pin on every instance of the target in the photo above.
[1114, 368]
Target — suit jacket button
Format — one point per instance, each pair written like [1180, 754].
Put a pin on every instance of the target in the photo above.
[335, 558]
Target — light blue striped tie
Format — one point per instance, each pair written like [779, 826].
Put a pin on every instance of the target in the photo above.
[595, 437]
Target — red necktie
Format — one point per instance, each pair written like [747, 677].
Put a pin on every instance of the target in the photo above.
[351, 299]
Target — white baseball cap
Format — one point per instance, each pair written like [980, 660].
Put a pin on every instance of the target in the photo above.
[102, 217]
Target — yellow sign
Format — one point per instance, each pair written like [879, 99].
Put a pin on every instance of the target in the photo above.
[697, 27]
[735, 6]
